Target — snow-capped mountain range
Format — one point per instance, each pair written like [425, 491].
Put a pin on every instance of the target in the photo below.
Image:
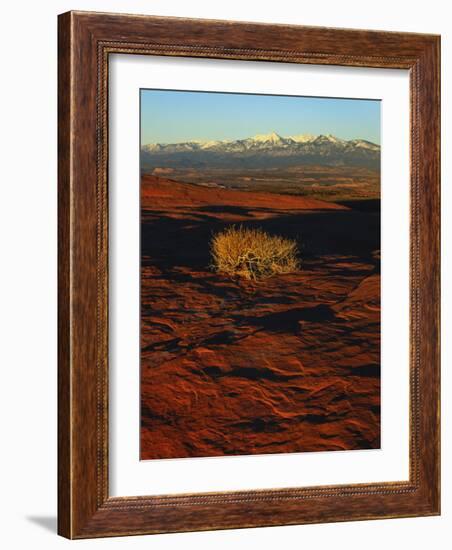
[262, 150]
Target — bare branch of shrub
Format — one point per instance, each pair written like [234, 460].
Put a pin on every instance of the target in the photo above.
[253, 253]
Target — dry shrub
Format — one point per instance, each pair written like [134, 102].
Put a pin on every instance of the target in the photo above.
[252, 253]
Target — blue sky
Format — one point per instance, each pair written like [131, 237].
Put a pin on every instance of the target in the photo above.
[174, 116]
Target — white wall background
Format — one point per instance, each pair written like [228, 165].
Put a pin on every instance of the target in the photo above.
[28, 270]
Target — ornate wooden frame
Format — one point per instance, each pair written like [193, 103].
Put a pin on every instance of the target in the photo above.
[85, 41]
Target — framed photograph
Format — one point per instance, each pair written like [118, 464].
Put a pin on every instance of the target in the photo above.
[248, 275]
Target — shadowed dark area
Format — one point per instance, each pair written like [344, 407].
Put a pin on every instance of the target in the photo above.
[345, 233]
[49, 523]
[289, 321]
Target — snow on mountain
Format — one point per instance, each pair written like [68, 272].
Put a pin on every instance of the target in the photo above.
[364, 144]
[263, 150]
[212, 144]
[260, 140]
[273, 138]
[329, 138]
[302, 138]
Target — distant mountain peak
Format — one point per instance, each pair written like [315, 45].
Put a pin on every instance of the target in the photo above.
[269, 149]
[272, 137]
[302, 138]
[329, 138]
